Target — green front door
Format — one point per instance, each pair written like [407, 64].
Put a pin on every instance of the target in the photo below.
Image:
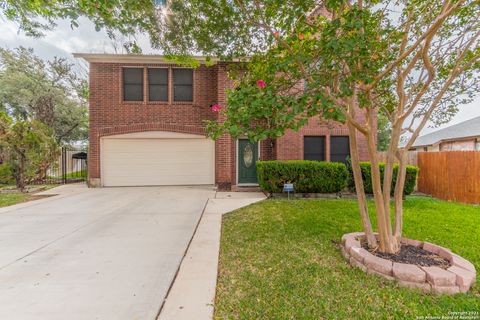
[247, 156]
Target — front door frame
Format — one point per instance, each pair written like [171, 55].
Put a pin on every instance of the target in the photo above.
[236, 162]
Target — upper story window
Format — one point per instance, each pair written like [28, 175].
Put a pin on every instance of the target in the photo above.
[157, 84]
[314, 148]
[339, 148]
[133, 84]
[182, 84]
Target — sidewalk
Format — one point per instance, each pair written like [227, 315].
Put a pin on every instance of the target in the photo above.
[193, 291]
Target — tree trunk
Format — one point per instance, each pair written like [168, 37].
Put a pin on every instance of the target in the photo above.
[20, 175]
[361, 198]
[388, 169]
[387, 242]
[398, 195]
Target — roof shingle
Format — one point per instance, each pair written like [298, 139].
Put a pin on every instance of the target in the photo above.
[469, 128]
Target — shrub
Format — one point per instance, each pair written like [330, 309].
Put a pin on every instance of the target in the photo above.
[410, 178]
[6, 174]
[306, 176]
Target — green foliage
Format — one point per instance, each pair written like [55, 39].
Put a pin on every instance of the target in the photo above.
[30, 148]
[307, 176]
[6, 173]
[410, 178]
[291, 41]
[384, 132]
[48, 91]
[317, 51]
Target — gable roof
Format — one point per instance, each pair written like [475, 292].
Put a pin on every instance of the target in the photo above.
[469, 128]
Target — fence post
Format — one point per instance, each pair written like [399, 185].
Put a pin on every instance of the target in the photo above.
[64, 165]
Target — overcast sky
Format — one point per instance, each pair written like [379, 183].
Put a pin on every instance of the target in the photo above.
[63, 41]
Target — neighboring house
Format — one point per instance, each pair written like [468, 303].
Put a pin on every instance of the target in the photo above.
[462, 136]
[146, 127]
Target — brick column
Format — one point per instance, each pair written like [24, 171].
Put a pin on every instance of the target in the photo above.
[327, 147]
[94, 142]
[224, 153]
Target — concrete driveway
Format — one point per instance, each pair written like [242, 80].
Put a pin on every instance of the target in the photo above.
[95, 254]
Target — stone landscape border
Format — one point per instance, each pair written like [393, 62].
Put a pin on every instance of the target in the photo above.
[459, 277]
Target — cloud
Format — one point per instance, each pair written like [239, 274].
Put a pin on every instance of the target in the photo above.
[63, 40]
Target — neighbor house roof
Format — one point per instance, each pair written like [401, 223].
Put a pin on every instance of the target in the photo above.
[469, 128]
[136, 58]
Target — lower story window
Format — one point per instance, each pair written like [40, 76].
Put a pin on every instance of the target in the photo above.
[339, 148]
[314, 148]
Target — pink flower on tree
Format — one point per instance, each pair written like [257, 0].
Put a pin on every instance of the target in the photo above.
[216, 108]
[261, 83]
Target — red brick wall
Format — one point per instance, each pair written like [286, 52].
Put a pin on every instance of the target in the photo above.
[110, 115]
[290, 146]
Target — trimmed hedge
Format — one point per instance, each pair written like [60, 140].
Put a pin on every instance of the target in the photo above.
[410, 178]
[307, 176]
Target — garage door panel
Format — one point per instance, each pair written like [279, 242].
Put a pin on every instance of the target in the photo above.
[181, 169]
[154, 145]
[141, 162]
[150, 158]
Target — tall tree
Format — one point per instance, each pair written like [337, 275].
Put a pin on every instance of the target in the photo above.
[411, 60]
[49, 91]
[29, 145]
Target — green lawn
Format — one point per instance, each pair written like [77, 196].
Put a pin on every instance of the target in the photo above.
[71, 175]
[279, 259]
[8, 199]
[77, 174]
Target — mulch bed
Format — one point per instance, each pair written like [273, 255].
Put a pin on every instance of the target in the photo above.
[412, 255]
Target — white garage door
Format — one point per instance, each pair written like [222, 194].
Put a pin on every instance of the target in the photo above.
[151, 159]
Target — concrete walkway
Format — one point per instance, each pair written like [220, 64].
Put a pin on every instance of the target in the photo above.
[193, 292]
[107, 253]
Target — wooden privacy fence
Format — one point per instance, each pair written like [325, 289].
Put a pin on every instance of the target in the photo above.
[411, 157]
[450, 175]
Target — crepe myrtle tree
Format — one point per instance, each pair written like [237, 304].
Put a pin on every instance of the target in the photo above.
[413, 61]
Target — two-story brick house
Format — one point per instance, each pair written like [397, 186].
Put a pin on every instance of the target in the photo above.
[146, 127]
